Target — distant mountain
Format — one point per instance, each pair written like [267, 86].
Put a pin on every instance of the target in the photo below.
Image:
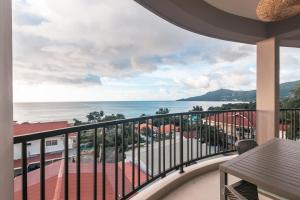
[235, 95]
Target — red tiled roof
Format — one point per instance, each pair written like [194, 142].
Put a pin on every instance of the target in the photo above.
[26, 128]
[36, 158]
[169, 128]
[240, 119]
[54, 181]
[144, 126]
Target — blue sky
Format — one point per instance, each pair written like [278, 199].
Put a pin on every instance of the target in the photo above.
[89, 50]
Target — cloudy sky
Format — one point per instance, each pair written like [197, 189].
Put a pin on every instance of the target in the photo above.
[86, 50]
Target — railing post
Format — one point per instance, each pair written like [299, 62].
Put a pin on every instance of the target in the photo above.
[267, 92]
[181, 144]
[6, 105]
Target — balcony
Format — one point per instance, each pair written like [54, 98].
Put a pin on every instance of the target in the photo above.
[127, 156]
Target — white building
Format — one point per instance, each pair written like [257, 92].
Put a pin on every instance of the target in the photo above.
[53, 145]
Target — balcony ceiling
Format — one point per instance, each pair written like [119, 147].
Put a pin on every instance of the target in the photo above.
[232, 20]
[240, 8]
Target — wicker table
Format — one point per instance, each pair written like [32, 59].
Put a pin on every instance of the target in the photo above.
[273, 167]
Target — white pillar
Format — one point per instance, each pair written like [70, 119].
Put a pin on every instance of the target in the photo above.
[267, 90]
[6, 107]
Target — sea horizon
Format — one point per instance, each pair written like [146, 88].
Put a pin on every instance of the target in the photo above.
[67, 111]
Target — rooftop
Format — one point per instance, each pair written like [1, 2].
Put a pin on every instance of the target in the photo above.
[26, 128]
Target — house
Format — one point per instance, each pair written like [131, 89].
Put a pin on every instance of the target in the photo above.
[54, 146]
[239, 124]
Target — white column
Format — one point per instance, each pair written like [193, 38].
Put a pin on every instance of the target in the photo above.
[6, 107]
[267, 90]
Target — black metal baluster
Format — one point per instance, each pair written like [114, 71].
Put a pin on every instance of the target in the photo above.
[235, 137]
[209, 133]
[95, 162]
[226, 131]
[223, 130]
[298, 125]
[133, 155]
[243, 115]
[192, 146]
[206, 133]
[123, 159]
[200, 135]
[147, 150]
[215, 130]
[78, 167]
[294, 135]
[181, 144]
[66, 185]
[231, 131]
[170, 141]
[103, 164]
[42, 169]
[164, 148]
[248, 124]
[187, 140]
[240, 125]
[197, 132]
[175, 139]
[286, 125]
[24, 170]
[116, 163]
[152, 150]
[218, 133]
[159, 147]
[139, 153]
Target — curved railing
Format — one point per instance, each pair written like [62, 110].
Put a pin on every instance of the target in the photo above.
[289, 127]
[124, 156]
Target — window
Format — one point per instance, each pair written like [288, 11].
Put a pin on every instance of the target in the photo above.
[51, 142]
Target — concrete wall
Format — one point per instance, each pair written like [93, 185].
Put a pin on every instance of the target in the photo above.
[34, 147]
[267, 92]
[6, 114]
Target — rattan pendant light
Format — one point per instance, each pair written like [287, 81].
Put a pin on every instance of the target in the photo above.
[276, 10]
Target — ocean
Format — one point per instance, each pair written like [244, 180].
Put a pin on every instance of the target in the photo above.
[44, 112]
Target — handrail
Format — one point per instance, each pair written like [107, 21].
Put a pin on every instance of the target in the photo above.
[61, 131]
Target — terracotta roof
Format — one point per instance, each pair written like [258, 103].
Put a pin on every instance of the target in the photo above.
[167, 128]
[144, 126]
[240, 118]
[54, 180]
[26, 128]
[36, 158]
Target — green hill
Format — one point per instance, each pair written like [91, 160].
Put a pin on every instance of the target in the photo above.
[235, 95]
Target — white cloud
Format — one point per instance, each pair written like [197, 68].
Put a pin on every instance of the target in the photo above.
[100, 44]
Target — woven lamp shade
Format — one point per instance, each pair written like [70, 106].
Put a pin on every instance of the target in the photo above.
[276, 10]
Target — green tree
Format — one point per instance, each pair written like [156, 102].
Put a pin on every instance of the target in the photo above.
[95, 116]
[112, 117]
[294, 100]
[292, 120]
[77, 122]
[230, 106]
[196, 108]
[162, 111]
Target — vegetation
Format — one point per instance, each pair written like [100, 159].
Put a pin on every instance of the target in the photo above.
[196, 108]
[230, 106]
[163, 111]
[289, 118]
[232, 95]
